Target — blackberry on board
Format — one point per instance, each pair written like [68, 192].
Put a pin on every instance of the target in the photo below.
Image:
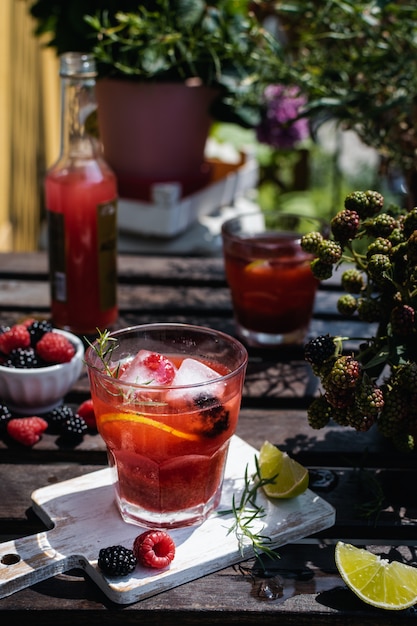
[116, 561]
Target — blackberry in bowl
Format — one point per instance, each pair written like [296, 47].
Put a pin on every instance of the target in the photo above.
[38, 366]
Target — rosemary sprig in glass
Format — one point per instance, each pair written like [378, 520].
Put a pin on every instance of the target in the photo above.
[103, 346]
[247, 512]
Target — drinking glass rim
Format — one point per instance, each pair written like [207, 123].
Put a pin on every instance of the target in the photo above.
[324, 225]
[172, 325]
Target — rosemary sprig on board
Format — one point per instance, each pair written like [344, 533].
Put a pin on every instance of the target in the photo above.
[247, 512]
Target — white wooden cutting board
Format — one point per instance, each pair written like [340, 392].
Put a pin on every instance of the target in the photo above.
[83, 519]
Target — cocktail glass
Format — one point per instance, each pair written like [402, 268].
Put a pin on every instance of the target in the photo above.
[167, 400]
[272, 286]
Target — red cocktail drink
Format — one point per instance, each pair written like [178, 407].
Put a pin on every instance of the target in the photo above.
[167, 405]
[272, 286]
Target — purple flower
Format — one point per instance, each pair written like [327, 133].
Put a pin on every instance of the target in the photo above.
[281, 126]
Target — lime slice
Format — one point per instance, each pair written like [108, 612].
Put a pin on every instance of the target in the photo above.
[148, 421]
[291, 477]
[375, 580]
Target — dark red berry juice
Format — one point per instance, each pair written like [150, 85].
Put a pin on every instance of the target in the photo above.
[168, 447]
[272, 286]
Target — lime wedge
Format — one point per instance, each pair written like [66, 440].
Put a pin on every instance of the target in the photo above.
[291, 477]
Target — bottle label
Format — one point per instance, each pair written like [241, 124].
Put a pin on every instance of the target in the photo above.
[107, 253]
[57, 262]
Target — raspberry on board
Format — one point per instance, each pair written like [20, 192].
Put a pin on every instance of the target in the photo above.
[154, 548]
[26, 430]
[55, 348]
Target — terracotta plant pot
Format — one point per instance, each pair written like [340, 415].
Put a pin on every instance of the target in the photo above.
[154, 133]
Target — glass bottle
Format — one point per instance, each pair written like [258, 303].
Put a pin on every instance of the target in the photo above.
[81, 203]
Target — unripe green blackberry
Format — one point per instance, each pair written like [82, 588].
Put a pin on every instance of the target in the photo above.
[381, 225]
[353, 281]
[402, 320]
[321, 270]
[347, 304]
[379, 246]
[338, 398]
[379, 268]
[405, 375]
[397, 236]
[394, 414]
[344, 226]
[412, 248]
[369, 399]
[345, 373]
[356, 201]
[410, 223]
[404, 442]
[369, 309]
[329, 251]
[365, 203]
[311, 241]
[319, 413]
[375, 202]
[358, 420]
[339, 415]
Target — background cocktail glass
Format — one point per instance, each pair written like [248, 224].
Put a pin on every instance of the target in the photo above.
[167, 442]
[272, 286]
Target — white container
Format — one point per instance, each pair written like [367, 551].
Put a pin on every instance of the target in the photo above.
[40, 389]
[169, 215]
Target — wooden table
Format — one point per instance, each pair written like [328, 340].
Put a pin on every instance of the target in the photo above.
[370, 486]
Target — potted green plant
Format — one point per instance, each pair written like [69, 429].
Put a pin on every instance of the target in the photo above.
[351, 59]
[217, 56]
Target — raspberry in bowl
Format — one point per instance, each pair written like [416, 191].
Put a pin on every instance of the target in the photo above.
[38, 366]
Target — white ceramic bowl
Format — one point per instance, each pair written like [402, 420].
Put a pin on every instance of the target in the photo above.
[38, 390]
